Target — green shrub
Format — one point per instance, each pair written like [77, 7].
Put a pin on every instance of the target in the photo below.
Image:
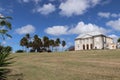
[20, 51]
[4, 63]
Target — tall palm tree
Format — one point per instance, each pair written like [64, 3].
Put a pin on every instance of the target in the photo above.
[51, 43]
[37, 43]
[46, 42]
[24, 42]
[63, 43]
[57, 43]
[27, 36]
[5, 26]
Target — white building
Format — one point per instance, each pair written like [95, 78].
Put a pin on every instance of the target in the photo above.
[94, 41]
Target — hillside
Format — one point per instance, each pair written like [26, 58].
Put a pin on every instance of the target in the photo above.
[77, 65]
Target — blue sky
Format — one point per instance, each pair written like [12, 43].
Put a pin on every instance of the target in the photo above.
[65, 19]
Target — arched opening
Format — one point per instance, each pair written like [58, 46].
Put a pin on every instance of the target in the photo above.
[112, 47]
[83, 47]
[87, 46]
[91, 46]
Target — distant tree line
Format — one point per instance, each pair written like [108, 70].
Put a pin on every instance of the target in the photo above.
[37, 44]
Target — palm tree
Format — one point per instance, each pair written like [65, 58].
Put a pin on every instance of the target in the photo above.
[24, 42]
[57, 43]
[46, 42]
[5, 26]
[51, 43]
[37, 43]
[27, 36]
[63, 43]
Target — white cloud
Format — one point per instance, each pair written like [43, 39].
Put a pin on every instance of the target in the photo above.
[56, 30]
[46, 9]
[108, 15]
[114, 24]
[51, 0]
[6, 10]
[76, 7]
[23, 1]
[82, 28]
[115, 15]
[104, 14]
[3, 42]
[25, 29]
[94, 2]
[115, 37]
[36, 1]
[106, 2]
[27, 1]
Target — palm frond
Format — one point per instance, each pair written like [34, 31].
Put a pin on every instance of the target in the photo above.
[2, 23]
[8, 17]
[8, 35]
[4, 58]
[3, 31]
[8, 25]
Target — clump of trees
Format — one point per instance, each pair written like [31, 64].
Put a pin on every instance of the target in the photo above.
[37, 44]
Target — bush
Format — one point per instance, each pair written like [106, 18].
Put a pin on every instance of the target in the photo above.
[49, 51]
[4, 62]
[8, 48]
[20, 51]
[32, 50]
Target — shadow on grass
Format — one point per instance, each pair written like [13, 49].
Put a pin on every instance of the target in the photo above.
[15, 77]
[5, 74]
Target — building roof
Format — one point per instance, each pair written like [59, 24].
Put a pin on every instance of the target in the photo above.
[87, 35]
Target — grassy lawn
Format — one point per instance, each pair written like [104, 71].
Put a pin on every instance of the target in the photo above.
[77, 65]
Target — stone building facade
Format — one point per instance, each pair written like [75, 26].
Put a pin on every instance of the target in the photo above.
[99, 41]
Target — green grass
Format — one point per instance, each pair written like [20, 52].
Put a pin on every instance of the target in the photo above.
[76, 65]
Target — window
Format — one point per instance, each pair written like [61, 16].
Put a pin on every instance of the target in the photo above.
[83, 47]
[87, 46]
[91, 46]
